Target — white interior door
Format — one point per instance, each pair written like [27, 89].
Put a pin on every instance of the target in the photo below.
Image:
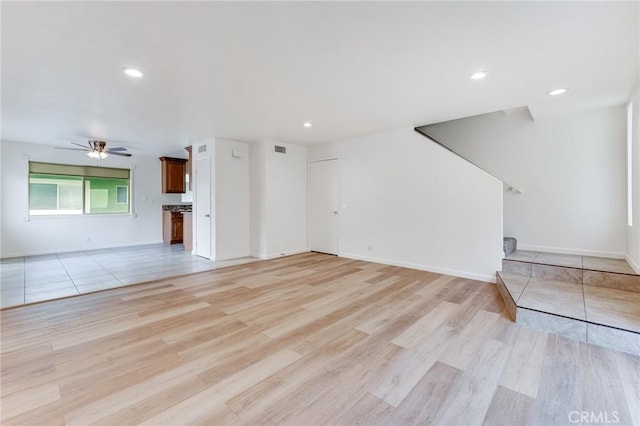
[203, 207]
[323, 206]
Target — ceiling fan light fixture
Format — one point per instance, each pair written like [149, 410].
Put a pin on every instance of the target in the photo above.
[97, 154]
[98, 149]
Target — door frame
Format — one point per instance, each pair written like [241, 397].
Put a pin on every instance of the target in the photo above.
[318, 160]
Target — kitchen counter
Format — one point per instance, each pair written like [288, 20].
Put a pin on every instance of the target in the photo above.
[176, 208]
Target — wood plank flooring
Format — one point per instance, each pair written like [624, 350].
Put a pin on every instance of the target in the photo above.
[302, 340]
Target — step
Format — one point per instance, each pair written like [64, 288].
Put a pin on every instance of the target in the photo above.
[602, 272]
[590, 305]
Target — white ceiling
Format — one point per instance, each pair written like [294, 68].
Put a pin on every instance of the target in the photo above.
[251, 71]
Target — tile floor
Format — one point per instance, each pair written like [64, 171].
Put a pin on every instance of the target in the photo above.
[599, 305]
[617, 308]
[605, 316]
[37, 278]
[573, 261]
[595, 299]
[557, 297]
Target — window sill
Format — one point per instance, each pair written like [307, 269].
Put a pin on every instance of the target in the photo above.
[77, 216]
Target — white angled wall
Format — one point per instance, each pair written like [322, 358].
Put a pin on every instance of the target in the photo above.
[407, 201]
[231, 208]
[278, 185]
[53, 234]
[571, 168]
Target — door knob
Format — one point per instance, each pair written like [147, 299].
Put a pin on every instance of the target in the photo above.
[335, 212]
[206, 215]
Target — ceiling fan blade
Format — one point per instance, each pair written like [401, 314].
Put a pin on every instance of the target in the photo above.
[77, 144]
[119, 148]
[122, 154]
[72, 149]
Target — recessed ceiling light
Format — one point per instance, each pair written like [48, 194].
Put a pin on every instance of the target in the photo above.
[556, 92]
[307, 124]
[132, 72]
[478, 75]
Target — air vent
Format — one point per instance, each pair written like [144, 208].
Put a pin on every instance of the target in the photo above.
[202, 148]
[281, 149]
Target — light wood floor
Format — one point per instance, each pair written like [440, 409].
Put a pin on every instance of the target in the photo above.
[302, 340]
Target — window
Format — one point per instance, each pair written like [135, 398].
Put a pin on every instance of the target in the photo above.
[101, 195]
[122, 194]
[58, 189]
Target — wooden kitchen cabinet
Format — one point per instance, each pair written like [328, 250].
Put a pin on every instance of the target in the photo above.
[190, 167]
[172, 227]
[187, 229]
[173, 175]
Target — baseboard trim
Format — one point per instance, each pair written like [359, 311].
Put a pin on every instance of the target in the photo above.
[579, 252]
[70, 250]
[234, 256]
[635, 266]
[489, 278]
[274, 256]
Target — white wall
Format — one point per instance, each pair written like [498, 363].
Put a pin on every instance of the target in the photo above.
[257, 200]
[633, 232]
[231, 210]
[39, 235]
[278, 200]
[407, 201]
[571, 169]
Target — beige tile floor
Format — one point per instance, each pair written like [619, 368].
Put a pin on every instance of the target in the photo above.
[608, 265]
[595, 304]
[573, 261]
[568, 260]
[515, 283]
[557, 297]
[617, 308]
[32, 279]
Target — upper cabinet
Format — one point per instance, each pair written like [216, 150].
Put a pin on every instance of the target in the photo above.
[190, 167]
[173, 175]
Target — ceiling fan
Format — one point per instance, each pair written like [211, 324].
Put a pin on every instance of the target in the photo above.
[98, 149]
